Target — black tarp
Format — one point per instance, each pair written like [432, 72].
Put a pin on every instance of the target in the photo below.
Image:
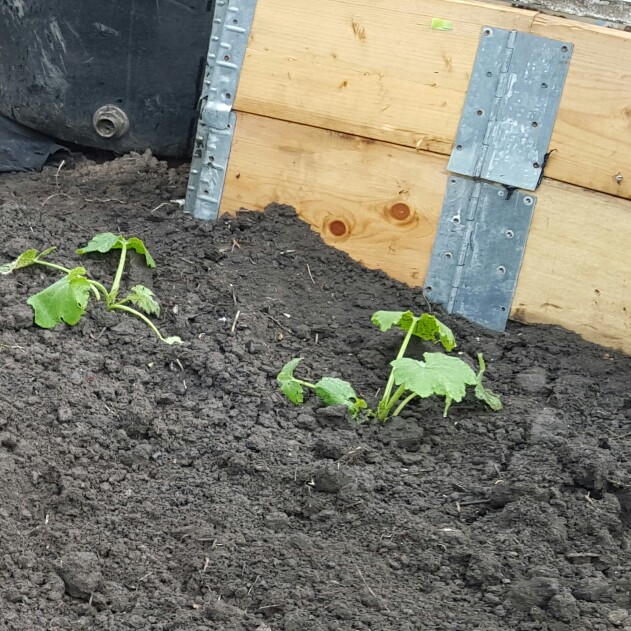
[22, 149]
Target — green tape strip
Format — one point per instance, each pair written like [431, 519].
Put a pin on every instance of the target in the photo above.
[439, 24]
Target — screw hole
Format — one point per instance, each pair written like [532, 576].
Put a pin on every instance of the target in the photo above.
[503, 308]
[211, 159]
[487, 32]
[564, 49]
[226, 57]
[429, 288]
[456, 220]
[536, 165]
[501, 270]
[448, 255]
[458, 147]
[452, 181]
[489, 74]
[228, 95]
[510, 234]
[528, 201]
[544, 85]
[480, 112]
[535, 124]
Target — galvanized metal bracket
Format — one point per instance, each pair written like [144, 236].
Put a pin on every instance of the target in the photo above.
[510, 108]
[232, 22]
[478, 250]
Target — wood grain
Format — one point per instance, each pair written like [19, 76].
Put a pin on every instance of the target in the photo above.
[375, 68]
[356, 193]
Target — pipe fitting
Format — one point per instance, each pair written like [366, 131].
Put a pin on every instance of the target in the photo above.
[110, 122]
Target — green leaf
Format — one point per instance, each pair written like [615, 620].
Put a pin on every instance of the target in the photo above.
[136, 244]
[483, 393]
[439, 374]
[65, 300]
[143, 298]
[334, 391]
[288, 384]
[426, 326]
[430, 328]
[174, 339]
[26, 259]
[107, 241]
[385, 320]
[102, 242]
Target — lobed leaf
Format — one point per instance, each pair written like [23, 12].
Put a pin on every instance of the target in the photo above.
[288, 384]
[136, 244]
[385, 320]
[63, 301]
[144, 299]
[174, 339]
[26, 259]
[102, 242]
[426, 326]
[430, 328]
[333, 391]
[439, 374]
[108, 241]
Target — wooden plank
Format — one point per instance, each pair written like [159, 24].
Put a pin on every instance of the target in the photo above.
[593, 130]
[354, 192]
[577, 268]
[375, 68]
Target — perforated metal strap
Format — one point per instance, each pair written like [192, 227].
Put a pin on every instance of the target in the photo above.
[215, 130]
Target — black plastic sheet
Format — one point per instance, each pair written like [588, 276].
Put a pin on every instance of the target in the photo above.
[22, 149]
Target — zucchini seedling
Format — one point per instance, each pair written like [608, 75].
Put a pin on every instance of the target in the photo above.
[438, 374]
[67, 299]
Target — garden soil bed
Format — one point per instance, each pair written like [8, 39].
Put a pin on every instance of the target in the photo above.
[154, 487]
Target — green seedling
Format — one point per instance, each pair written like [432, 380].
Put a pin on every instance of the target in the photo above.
[67, 299]
[330, 390]
[438, 374]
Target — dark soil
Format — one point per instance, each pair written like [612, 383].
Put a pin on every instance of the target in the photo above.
[156, 487]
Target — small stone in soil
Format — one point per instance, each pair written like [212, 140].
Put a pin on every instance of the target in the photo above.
[564, 607]
[404, 433]
[535, 592]
[618, 617]
[81, 574]
[331, 479]
[595, 590]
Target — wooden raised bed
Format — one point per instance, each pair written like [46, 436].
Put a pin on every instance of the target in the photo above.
[347, 110]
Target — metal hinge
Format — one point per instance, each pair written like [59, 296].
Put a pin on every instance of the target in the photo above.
[511, 107]
[501, 146]
[478, 250]
[232, 23]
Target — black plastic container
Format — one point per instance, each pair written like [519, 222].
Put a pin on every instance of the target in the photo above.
[118, 75]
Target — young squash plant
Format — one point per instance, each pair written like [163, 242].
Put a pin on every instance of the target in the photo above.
[437, 374]
[67, 299]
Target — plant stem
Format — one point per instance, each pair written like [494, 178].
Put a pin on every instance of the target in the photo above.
[306, 384]
[59, 268]
[144, 318]
[385, 404]
[96, 288]
[119, 272]
[403, 404]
